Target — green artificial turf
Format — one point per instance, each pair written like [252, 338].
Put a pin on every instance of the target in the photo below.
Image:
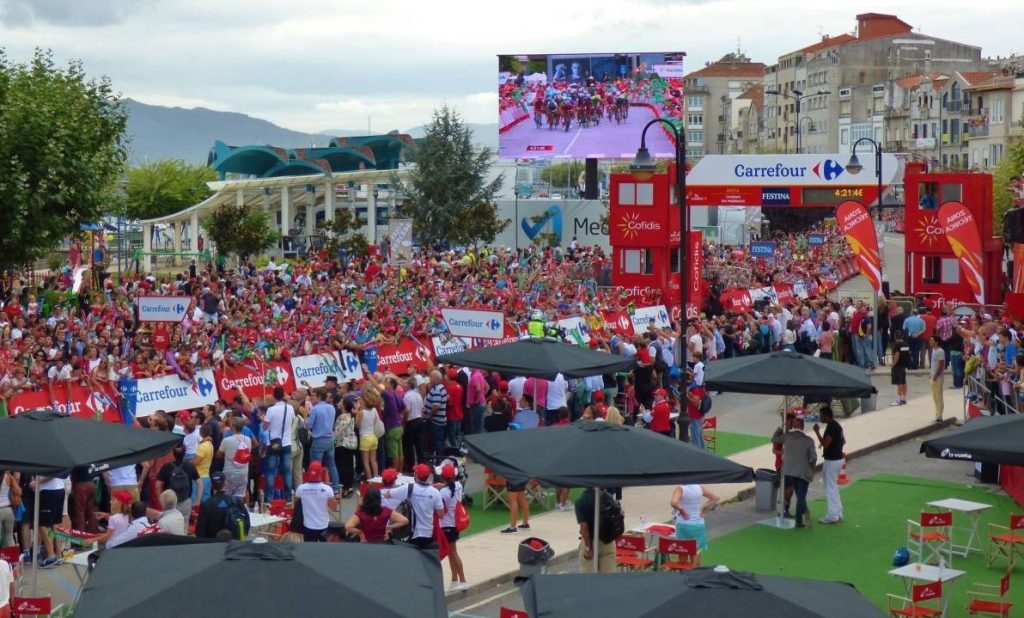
[497, 516]
[732, 443]
[860, 550]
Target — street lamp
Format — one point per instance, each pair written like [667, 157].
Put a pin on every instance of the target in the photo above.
[643, 162]
[798, 95]
[854, 166]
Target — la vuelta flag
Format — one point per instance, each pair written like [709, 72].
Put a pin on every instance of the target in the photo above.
[855, 223]
[965, 239]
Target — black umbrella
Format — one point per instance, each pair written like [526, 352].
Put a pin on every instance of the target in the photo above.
[267, 579]
[702, 592]
[788, 373]
[600, 454]
[48, 443]
[988, 439]
[542, 358]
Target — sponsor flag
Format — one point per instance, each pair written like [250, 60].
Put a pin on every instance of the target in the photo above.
[855, 223]
[695, 264]
[1018, 268]
[964, 237]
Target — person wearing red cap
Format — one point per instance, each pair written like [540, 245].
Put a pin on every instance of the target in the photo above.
[451, 496]
[455, 410]
[426, 504]
[317, 500]
[660, 412]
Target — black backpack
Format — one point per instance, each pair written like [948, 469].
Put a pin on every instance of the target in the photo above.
[613, 520]
[705, 404]
[404, 533]
[179, 482]
[659, 363]
[234, 518]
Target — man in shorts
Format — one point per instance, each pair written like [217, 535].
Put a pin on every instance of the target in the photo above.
[236, 451]
[394, 418]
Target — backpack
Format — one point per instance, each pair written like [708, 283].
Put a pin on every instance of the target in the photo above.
[234, 518]
[659, 363]
[705, 404]
[178, 481]
[404, 533]
[613, 520]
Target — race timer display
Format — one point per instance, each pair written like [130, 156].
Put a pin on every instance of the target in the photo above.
[830, 195]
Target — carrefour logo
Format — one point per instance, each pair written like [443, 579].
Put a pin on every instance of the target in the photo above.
[203, 385]
[494, 325]
[552, 214]
[351, 362]
[827, 169]
[631, 226]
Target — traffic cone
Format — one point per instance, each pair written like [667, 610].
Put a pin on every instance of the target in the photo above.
[843, 479]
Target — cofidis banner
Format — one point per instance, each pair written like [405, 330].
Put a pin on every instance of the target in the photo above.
[964, 237]
[855, 223]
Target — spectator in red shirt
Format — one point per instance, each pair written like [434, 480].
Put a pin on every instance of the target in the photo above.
[694, 394]
[455, 410]
[660, 413]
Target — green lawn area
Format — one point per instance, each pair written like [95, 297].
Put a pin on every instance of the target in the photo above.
[497, 515]
[732, 443]
[860, 549]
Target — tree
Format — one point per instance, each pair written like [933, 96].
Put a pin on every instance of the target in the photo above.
[159, 188]
[344, 234]
[62, 151]
[1006, 181]
[446, 194]
[240, 231]
[565, 174]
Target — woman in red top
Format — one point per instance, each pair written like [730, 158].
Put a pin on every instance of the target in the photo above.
[370, 521]
[660, 413]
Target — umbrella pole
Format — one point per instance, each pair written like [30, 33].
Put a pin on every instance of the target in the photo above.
[779, 520]
[34, 556]
[595, 544]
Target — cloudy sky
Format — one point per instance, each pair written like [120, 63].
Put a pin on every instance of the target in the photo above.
[320, 64]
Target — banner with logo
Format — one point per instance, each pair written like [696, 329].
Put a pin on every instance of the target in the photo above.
[474, 323]
[695, 274]
[620, 322]
[964, 237]
[762, 248]
[855, 223]
[736, 300]
[76, 401]
[512, 334]
[312, 369]
[577, 330]
[447, 344]
[1018, 268]
[815, 240]
[784, 294]
[397, 358]
[401, 240]
[162, 308]
[255, 378]
[643, 315]
[169, 393]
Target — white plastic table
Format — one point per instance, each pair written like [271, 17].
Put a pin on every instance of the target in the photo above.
[262, 520]
[915, 571]
[403, 479]
[972, 511]
[80, 564]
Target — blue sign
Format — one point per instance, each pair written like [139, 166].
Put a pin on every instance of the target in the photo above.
[369, 358]
[816, 240]
[762, 248]
[554, 215]
[828, 169]
[775, 196]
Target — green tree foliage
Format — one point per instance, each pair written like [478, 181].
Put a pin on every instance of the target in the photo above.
[565, 174]
[240, 231]
[159, 188]
[447, 194]
[344, 233]
[62, 151]
[1005, 182]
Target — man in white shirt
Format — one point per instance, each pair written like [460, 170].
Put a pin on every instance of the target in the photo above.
[415, 434]
[557, 389]
[516, 386]
[317, 500]
[426, 502]
[278, 421]
[122, 479]
[139, 524]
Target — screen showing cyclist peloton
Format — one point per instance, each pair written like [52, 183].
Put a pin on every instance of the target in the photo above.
[579, 106]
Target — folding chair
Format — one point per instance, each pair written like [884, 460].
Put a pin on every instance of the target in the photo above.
[536, 493]
[34, 606]
[1007, 544]
[507, 612]
[678, 554]
[495, 489]
[709, 428]
[931, 538]
[630, 553]
[990, 600]
[12, 555]
[916, 607]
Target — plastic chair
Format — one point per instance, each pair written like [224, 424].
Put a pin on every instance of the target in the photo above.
[709, 428]
[931, 538]
[678, 554]
[989, 600]
[1007, 544]
[916, 607]
[630, 552]
[495, 489]
[508, 612]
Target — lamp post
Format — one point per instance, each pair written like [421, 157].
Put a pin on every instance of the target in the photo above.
[797, 96]
[854, 167]
[643, 162]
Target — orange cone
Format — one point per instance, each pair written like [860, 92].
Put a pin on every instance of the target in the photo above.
[843, 479]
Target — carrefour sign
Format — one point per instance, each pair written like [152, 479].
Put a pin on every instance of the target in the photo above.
[474, 323]
[162, 308]
[789, 170]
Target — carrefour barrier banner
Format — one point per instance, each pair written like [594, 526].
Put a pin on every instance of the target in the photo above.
[855, 223]
[643, 315]
[576, 329]
[474, 323]
[255, 378]
[312, 370]
[76, 401]
[162, 308]
[964, 237]
[170, 393]
[397, 358]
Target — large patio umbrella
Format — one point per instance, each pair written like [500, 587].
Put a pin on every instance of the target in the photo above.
[541, 358]
[789, 374]
[986, 439]
[47, 443]
[268, 579]
[599, 454]
[702, 592]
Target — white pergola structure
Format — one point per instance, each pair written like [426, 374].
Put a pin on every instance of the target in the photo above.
[286, 195]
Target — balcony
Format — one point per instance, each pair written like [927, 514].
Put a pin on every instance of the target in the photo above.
[896, 112]
[977, 126]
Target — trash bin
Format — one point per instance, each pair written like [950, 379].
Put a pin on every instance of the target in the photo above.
[534, 554]
[766, 489]
[869, 404]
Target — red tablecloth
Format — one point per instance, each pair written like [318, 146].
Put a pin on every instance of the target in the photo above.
[1012, 480]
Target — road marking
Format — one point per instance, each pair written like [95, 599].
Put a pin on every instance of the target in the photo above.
[572, 141]
[484, 602]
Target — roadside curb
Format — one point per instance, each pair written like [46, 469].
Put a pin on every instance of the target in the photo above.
[743, 494]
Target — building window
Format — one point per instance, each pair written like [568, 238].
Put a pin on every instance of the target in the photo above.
[631, 261]
[694, 101]
[695, 137]
[647, 261]
[695, 119]
[859, 130]
[674, 256]
[995, 111]
[627, 194]
[645, 194]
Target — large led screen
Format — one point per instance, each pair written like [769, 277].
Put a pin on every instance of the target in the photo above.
[577, 106]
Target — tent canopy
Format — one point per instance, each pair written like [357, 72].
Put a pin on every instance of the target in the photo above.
[540, 357]
[788, 373]
[987, 439]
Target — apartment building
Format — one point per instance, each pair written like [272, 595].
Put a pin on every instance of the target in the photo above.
[834, 92]
[991, 124]
[710, 92]
[746, 122]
